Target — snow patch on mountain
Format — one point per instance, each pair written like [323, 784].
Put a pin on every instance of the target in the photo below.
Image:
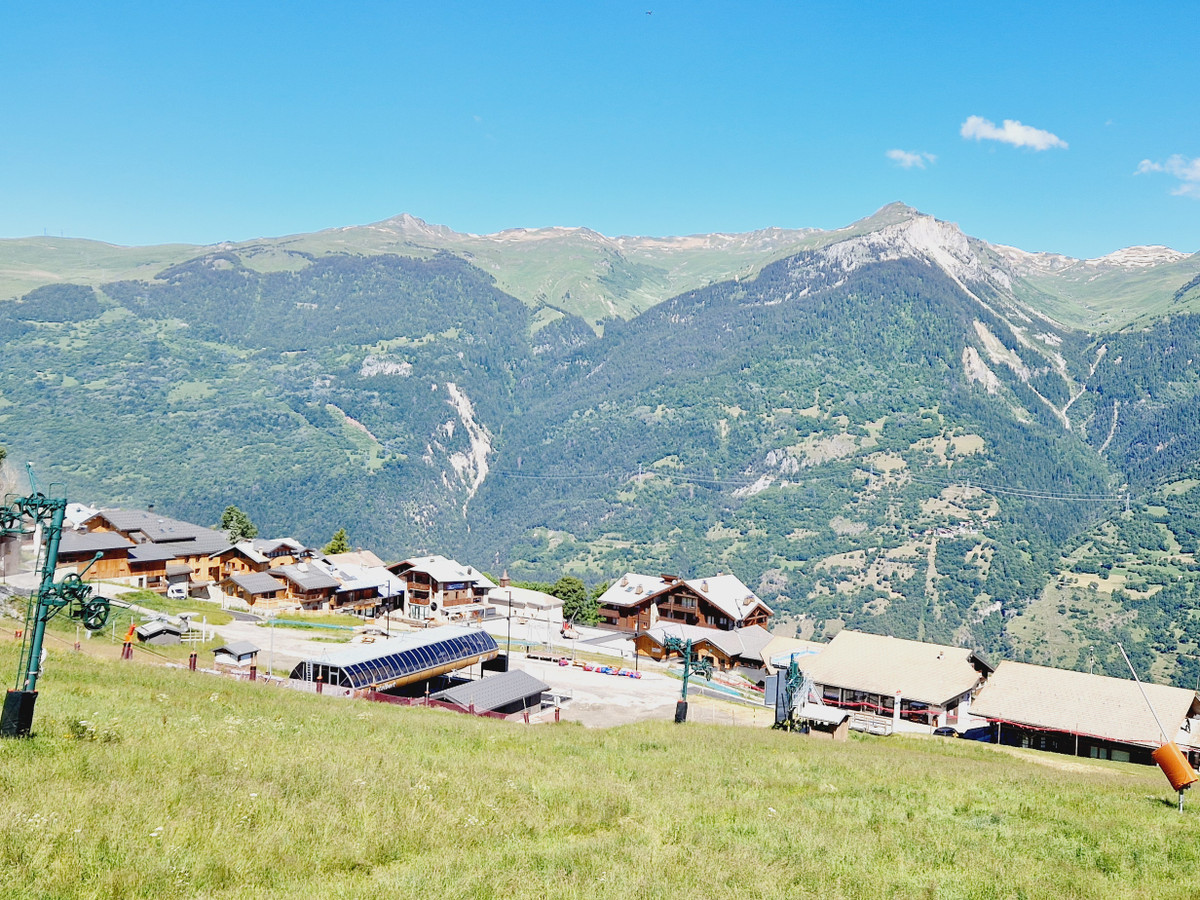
[1138, 257]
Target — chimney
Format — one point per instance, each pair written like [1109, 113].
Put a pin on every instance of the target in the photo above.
[505, 581]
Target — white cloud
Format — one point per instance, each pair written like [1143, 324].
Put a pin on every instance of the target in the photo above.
[1186, 170]
[1011, 132]
[906, 160]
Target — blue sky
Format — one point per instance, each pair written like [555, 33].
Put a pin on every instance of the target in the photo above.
[139, 123]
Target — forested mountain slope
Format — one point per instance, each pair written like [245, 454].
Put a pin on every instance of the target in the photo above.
[885, 427]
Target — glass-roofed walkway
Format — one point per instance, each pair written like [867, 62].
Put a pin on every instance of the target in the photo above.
[400, 660]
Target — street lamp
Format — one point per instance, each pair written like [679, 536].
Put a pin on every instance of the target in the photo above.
[508, 657]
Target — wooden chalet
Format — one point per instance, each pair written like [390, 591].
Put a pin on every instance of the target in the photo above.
[77, 549]
[240, 559]
[307, 585]
[1086, 715]
[741, 648]
[256, 589]
[637, 603]
[160, 539]
[437, 586]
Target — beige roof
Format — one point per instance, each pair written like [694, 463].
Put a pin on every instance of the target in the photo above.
[522, 597]
[927, 673]
[354, 558]
[1076, 702]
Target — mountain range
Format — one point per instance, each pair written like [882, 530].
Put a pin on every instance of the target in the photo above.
[891, 425]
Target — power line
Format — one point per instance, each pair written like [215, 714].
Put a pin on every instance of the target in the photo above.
[693, 478]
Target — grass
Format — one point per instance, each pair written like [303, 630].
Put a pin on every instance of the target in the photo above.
[143, 781]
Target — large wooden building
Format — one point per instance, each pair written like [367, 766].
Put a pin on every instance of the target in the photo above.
[1087, 715]
[637, 603]
[437, 587]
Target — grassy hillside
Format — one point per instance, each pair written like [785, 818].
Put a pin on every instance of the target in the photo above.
[27, 263]
[148, 782]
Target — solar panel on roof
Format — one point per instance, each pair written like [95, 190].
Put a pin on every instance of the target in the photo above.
[405, 658]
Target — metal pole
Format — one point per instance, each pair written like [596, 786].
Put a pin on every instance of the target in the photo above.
[52, 535]
[1153, 712]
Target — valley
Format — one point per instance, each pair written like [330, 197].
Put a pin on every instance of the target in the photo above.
[891, 426]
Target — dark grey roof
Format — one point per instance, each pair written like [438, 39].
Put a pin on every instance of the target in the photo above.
[81, 542]
[157, 528]
[158, 626]
[179, 569]
[202, 544]
[152, 553]
[257, 582]
[237, 649]
[309, 579]
[494, 692]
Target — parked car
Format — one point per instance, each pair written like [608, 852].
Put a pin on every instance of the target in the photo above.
[946, 731]
[177, 591]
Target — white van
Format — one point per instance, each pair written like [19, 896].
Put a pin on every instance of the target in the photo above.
[177, 591]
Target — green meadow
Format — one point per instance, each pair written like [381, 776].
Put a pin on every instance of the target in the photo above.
[147, 781]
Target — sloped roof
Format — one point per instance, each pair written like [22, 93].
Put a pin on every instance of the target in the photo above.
[357, 578]
[522, 597]
[157, 528]
[308, 578]
[257, 582]
[494, 691]
[876, 664]
[631, 589]
[1076, 702]
[269, 545]
[443, 570]
[726, 592]
[355, 558]
[152, 553]
[744, 643]
[100, 541]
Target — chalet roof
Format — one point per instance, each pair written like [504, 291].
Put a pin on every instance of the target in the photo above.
[179, 569]
[726, 592]
[1076, 702]
[73, 542]
[495, 691]
[78, 513]
[875, 664]
[631, 589]
[742, 643]
[522, 597]
[355, 558]
[307, 577]
[357, 578]
[257, 582]
[152, 553]
[157, 528]
[270, 545]
[443, 570]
